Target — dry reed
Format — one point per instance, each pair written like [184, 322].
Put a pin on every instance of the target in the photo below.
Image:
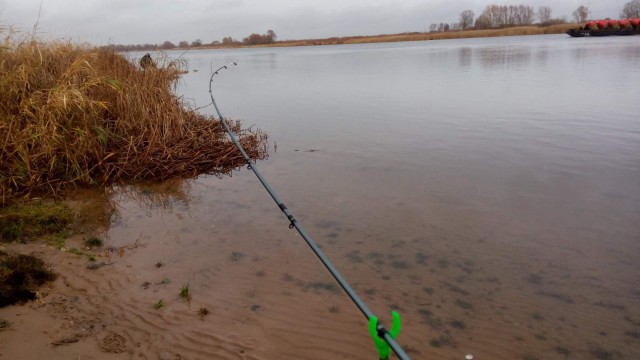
[73, 115]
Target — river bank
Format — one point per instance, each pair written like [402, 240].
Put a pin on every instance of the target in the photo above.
[413, 36]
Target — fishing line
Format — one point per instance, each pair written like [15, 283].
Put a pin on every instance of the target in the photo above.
[376, 328]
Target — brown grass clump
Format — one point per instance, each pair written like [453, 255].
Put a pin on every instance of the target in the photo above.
[74, 115]
[20, 276]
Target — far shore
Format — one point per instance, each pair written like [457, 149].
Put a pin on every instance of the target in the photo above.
[413, 36]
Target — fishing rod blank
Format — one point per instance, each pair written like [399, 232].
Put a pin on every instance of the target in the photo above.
[381, 331]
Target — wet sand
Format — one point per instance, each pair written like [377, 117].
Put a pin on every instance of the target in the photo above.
[268, 297]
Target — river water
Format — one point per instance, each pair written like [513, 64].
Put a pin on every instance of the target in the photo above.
[488, 189]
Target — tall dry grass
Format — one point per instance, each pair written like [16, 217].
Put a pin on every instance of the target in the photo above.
[73, 115]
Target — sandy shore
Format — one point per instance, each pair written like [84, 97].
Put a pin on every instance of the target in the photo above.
[267, 297]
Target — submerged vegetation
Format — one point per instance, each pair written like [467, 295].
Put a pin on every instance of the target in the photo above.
[74, 115]
[93, 241]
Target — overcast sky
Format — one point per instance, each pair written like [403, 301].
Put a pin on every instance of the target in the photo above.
[145, 21]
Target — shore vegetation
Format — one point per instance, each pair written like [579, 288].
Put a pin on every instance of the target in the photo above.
[73, 115]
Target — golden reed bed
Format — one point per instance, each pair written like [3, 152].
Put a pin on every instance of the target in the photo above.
[73, 115]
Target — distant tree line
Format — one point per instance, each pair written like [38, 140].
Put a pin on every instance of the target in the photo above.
[257, 39]
[501, 16]
[253, 39]
[631, 10]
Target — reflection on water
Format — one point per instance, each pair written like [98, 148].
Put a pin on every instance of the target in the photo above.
[464, 57]
[156, 196]
[487, 188]
[501, 57]
[505, 57]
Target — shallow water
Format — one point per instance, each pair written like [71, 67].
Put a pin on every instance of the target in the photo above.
[489, 189]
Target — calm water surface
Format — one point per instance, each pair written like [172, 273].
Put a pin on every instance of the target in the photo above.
[488, 188]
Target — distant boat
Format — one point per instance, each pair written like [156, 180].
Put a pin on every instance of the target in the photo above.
[607, 28]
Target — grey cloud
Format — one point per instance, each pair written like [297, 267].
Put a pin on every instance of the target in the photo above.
[146, 21]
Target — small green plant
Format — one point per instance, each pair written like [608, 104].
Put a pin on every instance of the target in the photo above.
[443, 263]
[563, 351]
[558, 296]
[541, 337]
[164, 281]
[58, 241]
[370, 291]
[442, 340]
[421, 258]
[94, 241]
[537, 316]
[203, 312]
[159, 304]
[458, 324]
[435, 343]
[530, 357]
[399, 264]
[75, 251]
[464, 304]
[236, 256]
[328, 286]
[354, 257]
[633, 333]
[4, 324]
[185, 293]
[428, 290]
[91, 257]
[601, 353]
[535, 279]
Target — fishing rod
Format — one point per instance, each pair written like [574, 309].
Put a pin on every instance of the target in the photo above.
[384, 339]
